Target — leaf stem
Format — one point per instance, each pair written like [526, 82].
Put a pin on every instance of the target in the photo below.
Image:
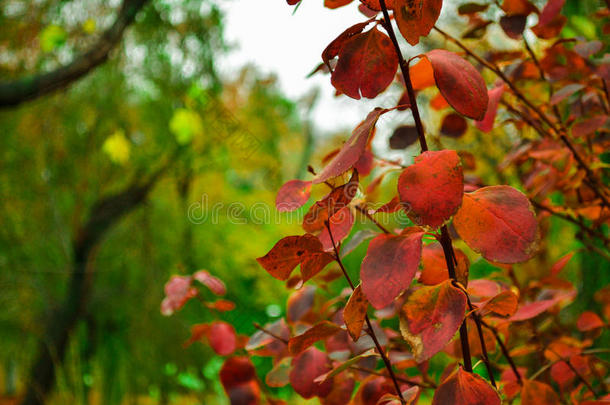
[366, 212]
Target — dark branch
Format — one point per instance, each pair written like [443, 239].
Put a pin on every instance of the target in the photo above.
[28, 88]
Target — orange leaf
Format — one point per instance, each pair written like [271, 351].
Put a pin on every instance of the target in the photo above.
[434, 265]
[503, 304]
[288, 253]
[292, 195]
[589, 321]
[498, 222]
[537, 393]
[355, 312]
[330, 205]
[415, 18]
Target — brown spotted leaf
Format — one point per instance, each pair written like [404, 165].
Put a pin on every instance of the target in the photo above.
[390, 265]
[415, 18]
[430, 317]
[288, 253]
[498, 222]
[460, 83]
[431, 189]
[464, 388]
[367, 65]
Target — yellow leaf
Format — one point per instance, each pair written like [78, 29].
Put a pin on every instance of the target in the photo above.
[117, 147]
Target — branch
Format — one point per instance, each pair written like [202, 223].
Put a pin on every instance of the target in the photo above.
[28, 88]
[366, 212]
[504, 350]
[445, 239]
[371, 331]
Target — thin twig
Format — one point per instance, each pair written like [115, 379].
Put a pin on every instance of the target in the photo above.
[401, 379]
[485, 356]
[366, 212]
[504, 350]
[273, 335]
[371, 331]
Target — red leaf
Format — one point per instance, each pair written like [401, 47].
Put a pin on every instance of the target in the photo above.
[372, 389]
[460, 83]
[589, 321]
[237, 377]
[352, 150]
[537, 393]
[305, 368]
[495, 94]
[532, 310]
[236, 371]
[330, 205]
[550, 11]
[341, 393]
[503, 304]
[340, 225]
[178, 291]
[332, 50]
[561, 263]
[430, 317]
[464, 388]
[300, 303]
[317, 332]
[390, 265]
[367, 65]
[315, 263]
[432, 187]
[197, 333]
[355, 312]
[222, 338]
[415, 18]
[374, 4]
[589, 125]
[498, 222]
[288, 253]
[213, 283]
[513, 25]
[336, 3]
[292, 195]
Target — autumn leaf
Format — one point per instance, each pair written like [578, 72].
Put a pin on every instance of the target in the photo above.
[222, 338]
[503, 304]
[434, 265]
[341, 224]
[317, 332]
[432, 187]
[367, 65]
[430, 317]
[352, 149]
[332, 50]
[495, 95]
[336, 3]
[498, 222]
[335, 201]
[415, 18]
[213, 283]
[588, 321]
[288, 253]
[375, 5]
[355, 312]
[390, 265]
[292, 195]
[537, 393]
[464, 388]
[305, 368]
[459, 83]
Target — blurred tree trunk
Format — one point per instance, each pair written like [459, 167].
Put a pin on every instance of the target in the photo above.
[63, 320]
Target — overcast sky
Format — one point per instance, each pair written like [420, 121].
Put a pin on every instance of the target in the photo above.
[268, 35]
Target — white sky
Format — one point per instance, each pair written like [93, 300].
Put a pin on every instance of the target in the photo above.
[268, 35]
